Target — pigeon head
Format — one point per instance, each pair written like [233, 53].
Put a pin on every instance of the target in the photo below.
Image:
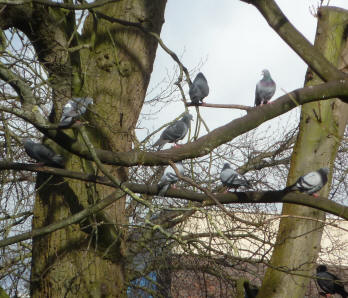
[187, 117]
[27, 141]
[226, 166]
[324, 170]
[88, 100]
[200, 76]
[266, 74]
[321, 268]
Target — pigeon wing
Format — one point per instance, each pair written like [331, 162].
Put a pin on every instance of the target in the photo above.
[68, 114]
[264, 91]
[325, 282]
[175, 132]
[310, 182]
[169, 177]
[258, 99]
[228, 176]
[241, 180]
[199, 89]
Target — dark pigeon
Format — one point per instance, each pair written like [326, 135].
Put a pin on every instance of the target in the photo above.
[311, 182]
[43, 154]
[231, 178]
[169, 177]
[175, 132]
[199, 89]
[250, 291]
[329, 283]
[265, 89]
[74, 109]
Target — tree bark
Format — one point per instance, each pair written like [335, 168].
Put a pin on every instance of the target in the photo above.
[321, 129]
[87, 260]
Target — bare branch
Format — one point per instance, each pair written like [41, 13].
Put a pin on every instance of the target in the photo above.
[65, 5]
[311, 55]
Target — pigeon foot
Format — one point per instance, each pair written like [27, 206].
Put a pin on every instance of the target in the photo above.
[316, 195]
[177, 146]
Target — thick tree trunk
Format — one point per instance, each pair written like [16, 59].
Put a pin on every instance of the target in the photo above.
[321, 128]
[87, 260]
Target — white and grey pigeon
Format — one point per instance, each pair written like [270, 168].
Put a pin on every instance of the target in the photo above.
[265, 89]
[329, 282]
[175, 132]
[231, 178]
[310, 183]
[199, 89]
[74, 109]
[169, 177]
[43, 154]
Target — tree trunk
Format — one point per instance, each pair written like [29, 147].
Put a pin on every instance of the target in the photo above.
[321, 128]
[87, 260]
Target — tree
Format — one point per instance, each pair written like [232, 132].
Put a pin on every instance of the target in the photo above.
[98, 226]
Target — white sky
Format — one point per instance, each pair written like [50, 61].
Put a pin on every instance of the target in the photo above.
[235, 43]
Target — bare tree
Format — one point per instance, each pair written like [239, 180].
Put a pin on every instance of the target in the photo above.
[98, 226]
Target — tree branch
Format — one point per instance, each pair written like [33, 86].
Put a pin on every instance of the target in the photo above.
[215, 138]
[65, 222]
[59, 4]
[311, 55]
[220, 106]
[230, 198]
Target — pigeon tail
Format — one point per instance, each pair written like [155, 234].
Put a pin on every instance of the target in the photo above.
[160, 143]
[58, 160]
[290, 188]
[65, 123]
[163, 188]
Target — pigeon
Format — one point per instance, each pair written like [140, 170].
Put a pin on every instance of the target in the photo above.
[73, 109]
[231, 178]
[175, 132]
[265, 89]
[310, 183]
[199, 89]
[250, 291]
[169, 177]
[329, 283]
[43, 154]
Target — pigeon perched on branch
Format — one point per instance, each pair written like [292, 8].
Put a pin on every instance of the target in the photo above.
[265, 89]
[310, 183]
[74, 109]
[169, 177]
[231, 178]
[43, 154]
[199, 89]
[329, 283]
[175, 132]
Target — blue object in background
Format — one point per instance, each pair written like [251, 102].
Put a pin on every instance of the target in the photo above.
[134, 292]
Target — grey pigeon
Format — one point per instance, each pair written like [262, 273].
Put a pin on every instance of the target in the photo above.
[199, 89]
[43, 154]
[329, 283]
[175, 132]
[169, 177]
[74, 109]
[250, 291]
[265, 89]
[231, 178]
[311, 182]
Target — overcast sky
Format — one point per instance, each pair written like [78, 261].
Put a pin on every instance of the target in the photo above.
[235, 44]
